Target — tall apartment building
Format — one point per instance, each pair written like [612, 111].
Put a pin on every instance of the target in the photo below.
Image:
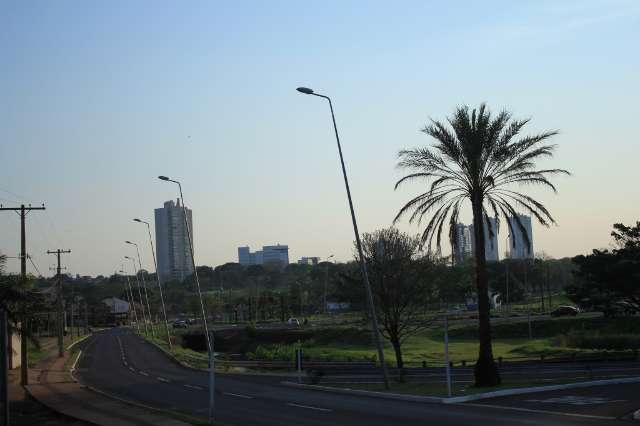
[172, 243]
[518, 247]
[461, 243]
[269, 254]
[490, 241]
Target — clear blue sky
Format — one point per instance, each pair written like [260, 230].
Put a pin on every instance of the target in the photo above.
[98, 98]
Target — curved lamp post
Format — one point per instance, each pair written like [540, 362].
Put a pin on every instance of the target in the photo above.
[204, 315]
[144, 318]
[130, 296]
[155, 265]
[144, 285]
[363, 268]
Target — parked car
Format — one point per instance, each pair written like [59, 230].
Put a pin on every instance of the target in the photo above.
[293, 321]
[565, 311]
[180, 324]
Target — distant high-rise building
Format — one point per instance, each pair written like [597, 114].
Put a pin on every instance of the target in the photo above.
[244, 255]
[308, 261]
[518, 246]
[269, 254]
[490, 241]
[172, 242]
[461, 243]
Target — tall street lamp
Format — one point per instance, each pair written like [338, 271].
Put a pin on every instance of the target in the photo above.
[144, 318]
[144, 285]
[204, 315]
[155, 265]
[130, 294]
[363, 268]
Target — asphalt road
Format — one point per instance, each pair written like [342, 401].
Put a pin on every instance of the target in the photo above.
[120, 363]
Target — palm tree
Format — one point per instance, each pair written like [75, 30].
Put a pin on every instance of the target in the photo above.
[477, 158]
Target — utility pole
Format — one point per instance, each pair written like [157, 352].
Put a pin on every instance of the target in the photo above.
[58, 252]
[4, 368]
[24, 359]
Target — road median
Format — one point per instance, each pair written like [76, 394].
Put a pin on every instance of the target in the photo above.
[460, 399]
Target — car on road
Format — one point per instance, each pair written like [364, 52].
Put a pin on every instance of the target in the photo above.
[180, 324]
[294, 322]
[565, 311]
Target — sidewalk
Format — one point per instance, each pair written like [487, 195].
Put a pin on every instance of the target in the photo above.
[53, 386]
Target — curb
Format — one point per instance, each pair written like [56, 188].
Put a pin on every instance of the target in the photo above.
[172, 357]
[636, 415]
[466, 398]
[360, 392]
[78, 341]
[536, 389]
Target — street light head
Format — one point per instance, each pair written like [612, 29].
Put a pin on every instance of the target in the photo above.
[127, 257]
[163, 178]
[305, 90]
[121, 271]
[128, 242]
[137, 220]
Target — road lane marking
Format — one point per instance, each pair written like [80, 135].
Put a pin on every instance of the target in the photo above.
[132, 369]
[237, 395]
[291, 404]
[143, 373]
[531, 410]
[162, 379]
[193, 387]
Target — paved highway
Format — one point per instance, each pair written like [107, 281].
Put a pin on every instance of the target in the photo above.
[120, 363]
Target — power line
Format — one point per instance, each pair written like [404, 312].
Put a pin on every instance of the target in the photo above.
[34, 265]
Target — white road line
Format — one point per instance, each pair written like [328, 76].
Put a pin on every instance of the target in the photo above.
[143, 373]
[132, 369]
[291, 404]
[531, 410]
[162, 379]
[73, 367]
[237, 395]
[193, 387]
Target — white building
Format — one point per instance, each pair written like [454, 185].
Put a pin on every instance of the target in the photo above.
[519, 247]
[116, 306]
[172, 242]
[269, 254]
[313, 260]
[490, 241]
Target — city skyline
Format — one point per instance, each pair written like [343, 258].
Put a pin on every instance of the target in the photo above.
[99, 100]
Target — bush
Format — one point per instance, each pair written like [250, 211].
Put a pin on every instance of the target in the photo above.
[596, 340]
[273, 353]
[542, 328]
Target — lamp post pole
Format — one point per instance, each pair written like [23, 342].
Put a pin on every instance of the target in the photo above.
[155, 265]
[133, 304]
[144, 286]
[144, 318]
[208, 337]
[363, 267]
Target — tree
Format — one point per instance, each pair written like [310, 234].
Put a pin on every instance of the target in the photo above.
[21, 303]
[607, 280]
[478, 159]
[400, 284]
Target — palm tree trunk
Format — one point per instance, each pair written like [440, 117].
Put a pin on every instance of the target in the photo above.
[485, 371]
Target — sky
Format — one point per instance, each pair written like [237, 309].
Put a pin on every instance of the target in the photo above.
[99, 98]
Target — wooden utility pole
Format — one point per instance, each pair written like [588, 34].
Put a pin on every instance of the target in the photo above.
[4, 369]
[58, 252]
[24, 358]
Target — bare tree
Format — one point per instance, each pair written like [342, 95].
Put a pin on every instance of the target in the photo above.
[400, 284]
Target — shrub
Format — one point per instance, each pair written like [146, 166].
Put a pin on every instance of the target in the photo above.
[596, 340]
[273, 353]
